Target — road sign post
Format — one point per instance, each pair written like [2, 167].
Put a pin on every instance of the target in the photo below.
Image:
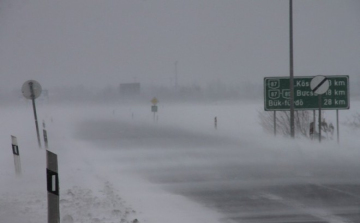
[319, 85]
[15, 149]
[31, 90]
[52, 178]
[314, 118]
[319, 117]
[337, 126]
[275, 123]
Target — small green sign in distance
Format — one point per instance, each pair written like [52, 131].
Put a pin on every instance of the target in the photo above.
[154, 108]
[277, 94]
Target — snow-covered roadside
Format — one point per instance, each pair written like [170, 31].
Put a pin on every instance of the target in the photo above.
[97, 184]
[149, 203]
[24, 198]
[95, 167]
[90, 190]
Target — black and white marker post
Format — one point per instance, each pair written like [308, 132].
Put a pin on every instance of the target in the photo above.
[52, 178]
[45, 136]
[154, 107]
[319, 85]
[15, 149]
[31, 90]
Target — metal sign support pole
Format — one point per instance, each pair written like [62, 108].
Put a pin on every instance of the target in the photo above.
[274, 123]
[35, 115]
[319, 118]
[337, 126]
[36, 123]
[314, 118]
[314, 121]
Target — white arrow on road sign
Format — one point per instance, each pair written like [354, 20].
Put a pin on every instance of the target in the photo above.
[319, 84]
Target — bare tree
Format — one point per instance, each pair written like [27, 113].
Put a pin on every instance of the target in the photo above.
[302, 122]
[303, 118]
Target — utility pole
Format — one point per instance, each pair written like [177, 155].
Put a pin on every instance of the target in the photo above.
[292, 127]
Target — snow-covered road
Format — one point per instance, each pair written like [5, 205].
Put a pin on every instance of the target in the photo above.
[117, 164]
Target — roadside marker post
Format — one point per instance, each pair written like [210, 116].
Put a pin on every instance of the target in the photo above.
[154, 107]
[52, 178]
[31, 89]
[15, 149]
[45, 139]
[319, 85]
[45, 136]
[215, 122]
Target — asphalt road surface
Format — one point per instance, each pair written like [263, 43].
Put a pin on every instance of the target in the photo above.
[247, 181]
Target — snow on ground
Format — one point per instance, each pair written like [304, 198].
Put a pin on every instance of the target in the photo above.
[100, 184]
[90, 191]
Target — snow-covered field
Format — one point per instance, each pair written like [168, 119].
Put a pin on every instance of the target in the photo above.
[115, 161]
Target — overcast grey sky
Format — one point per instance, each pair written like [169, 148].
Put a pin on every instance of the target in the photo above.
[100, 43]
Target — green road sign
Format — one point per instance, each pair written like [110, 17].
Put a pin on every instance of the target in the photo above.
[277, 94]
[154, 108]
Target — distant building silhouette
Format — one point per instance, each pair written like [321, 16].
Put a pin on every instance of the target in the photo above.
[129, 89]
